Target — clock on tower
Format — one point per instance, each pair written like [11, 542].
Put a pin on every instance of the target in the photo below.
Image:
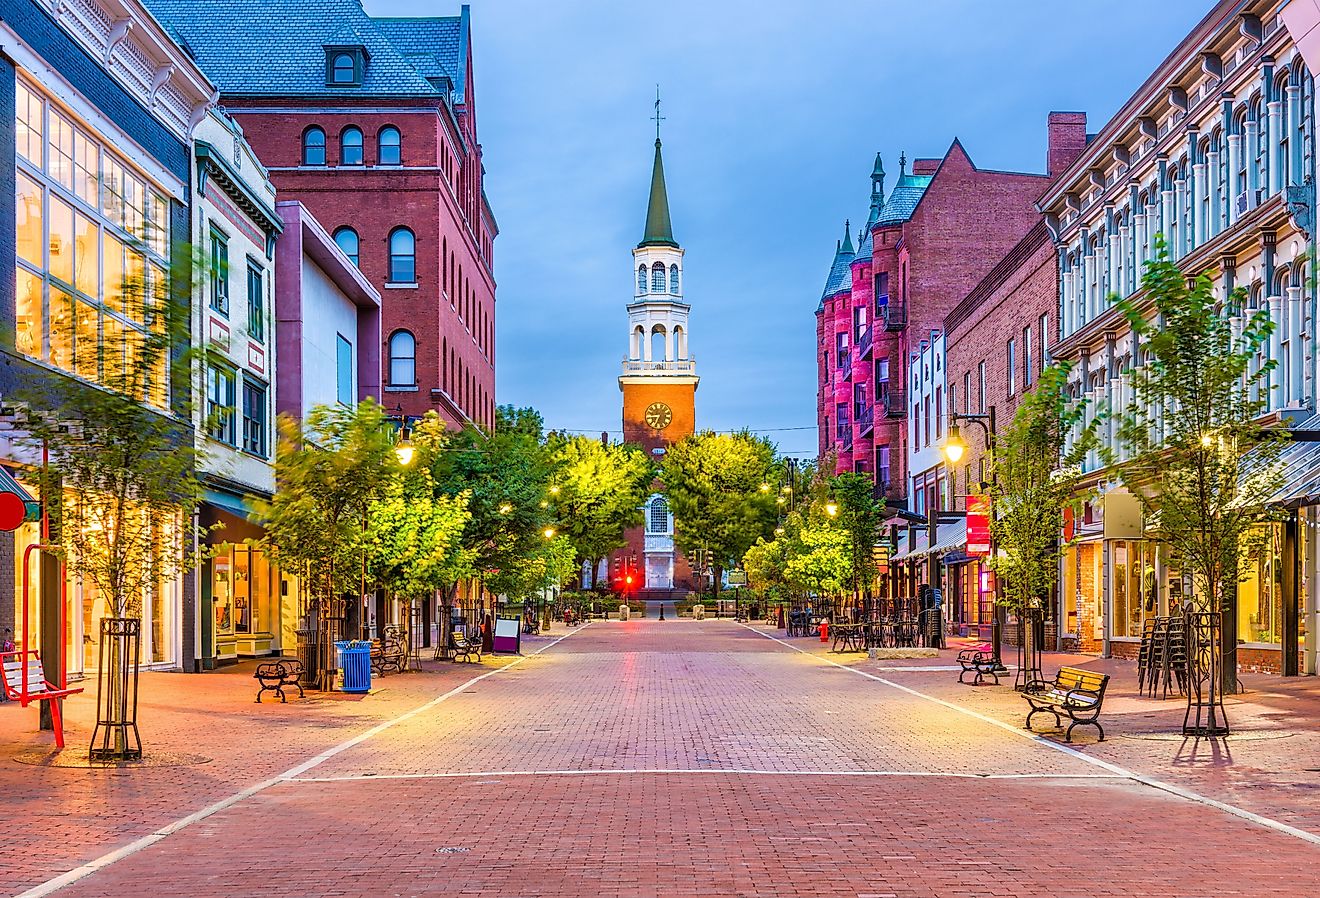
[659, 379]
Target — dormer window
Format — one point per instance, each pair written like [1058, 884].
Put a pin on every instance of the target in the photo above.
[345, 66]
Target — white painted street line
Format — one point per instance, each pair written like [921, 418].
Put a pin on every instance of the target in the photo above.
[1267, 822]
[132, 848]
[701, 771]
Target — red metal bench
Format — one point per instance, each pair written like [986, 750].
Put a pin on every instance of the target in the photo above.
[25, 682]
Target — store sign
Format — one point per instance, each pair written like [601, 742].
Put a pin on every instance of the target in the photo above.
[880, 554]
[737, 578]
[1069, 525]
[978, 525]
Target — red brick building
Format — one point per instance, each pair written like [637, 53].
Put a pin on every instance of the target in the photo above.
[371, 123]
[924, 247]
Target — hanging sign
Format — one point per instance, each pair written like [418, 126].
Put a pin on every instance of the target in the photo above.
[978, 525]
[880, 553]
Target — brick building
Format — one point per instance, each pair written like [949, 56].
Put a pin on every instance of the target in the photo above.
[371, 123]
[1216, 153]
[97, 110]
[996, 344]
[923, 248]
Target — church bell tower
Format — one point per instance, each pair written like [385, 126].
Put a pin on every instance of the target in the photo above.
[659, 379]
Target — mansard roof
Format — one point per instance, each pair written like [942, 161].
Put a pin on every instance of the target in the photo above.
[277, 47]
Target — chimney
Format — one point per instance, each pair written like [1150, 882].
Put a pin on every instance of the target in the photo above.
[1067, 139]
[605, 438]
[925, 166]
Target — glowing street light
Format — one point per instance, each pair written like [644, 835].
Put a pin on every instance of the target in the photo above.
[404, 451]
[505, 508]
[955, 447]
[831, 508]
[765, 487]
[549, 532]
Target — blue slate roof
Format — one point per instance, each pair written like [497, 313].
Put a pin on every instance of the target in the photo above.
[865, 247]
[904, 198]
[277, 47]
[432, 42]
[840, 278]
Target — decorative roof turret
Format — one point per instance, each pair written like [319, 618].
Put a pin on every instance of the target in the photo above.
[905, 195]
[877, 193]
[840, 278]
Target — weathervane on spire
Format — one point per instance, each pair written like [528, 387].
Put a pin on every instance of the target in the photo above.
[658, 118]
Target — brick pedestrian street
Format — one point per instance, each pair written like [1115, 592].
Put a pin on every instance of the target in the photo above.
[675, 758]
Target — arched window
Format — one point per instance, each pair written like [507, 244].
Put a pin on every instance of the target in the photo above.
[403, 359]
[403, 248]
[673, 279]
[658, 349]
[347, 238]
[313, 148]
[658, 519]
[658, 277]
[388, 150]
[680, 343]
[641, 278]
[342, 69]
[350, 146]
[638, 341]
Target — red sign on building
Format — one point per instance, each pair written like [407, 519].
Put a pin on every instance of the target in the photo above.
[978, 525]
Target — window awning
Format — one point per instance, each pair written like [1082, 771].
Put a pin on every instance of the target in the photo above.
[951, 535]
[31, 507]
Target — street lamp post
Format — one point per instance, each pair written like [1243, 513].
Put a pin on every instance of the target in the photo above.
[955, 446]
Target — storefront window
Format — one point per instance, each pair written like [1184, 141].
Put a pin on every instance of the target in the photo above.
[241, 590]
[1260, 594]
[84, 233]
[1135, 586]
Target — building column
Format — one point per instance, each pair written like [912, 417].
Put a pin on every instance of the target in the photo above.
[1234, 163]
[1252, 148]
[1198, 192]
[1276, 396]
[1273, 134]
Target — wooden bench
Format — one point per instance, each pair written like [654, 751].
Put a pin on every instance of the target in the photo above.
[1078, 694]
[980, 660]
[275, 675]
[464, 646]
[390, 651]
[38, 688]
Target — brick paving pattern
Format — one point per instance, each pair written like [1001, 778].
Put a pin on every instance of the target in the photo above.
[670, 759]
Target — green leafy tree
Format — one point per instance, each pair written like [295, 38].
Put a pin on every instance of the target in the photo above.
[714, 486]
[818, 557]
[598, 493]
[120, 487]
[1034, 478]
[506, 475]
[415, 533]
[861, 515]
[765, 563]
[1193, 449]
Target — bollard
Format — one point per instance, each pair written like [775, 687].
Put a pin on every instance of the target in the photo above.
[624, 611]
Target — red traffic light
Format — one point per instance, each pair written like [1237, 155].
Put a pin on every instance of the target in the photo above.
[628, 579]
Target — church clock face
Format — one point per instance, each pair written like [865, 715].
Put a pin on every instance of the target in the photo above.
[658, 415]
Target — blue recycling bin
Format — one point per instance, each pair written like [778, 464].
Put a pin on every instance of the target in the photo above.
[355, 661]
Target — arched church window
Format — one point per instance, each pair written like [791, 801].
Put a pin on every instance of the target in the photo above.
[658, 277]
[659, 515]
[673, 279]
[641, 278]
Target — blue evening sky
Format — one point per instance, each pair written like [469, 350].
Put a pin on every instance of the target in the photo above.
[774, 114]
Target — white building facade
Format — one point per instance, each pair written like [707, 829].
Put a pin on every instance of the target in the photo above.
[1215, 154]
